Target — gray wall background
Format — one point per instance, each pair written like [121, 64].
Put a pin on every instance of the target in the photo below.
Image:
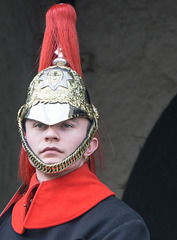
[129, 49]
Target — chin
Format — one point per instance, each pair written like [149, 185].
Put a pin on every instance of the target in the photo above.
[51, 161]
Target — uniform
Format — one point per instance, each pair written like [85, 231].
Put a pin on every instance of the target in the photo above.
[59, 210]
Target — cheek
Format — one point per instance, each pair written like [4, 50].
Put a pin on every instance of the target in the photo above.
[78, 138]
[76, 141]
[33, 140]
[29, 138]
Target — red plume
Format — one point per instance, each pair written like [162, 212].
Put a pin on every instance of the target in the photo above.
[25, 168]
[61, 32]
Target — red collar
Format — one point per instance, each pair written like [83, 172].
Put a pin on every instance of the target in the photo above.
[59, 200]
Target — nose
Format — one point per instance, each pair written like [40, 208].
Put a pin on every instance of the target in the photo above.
[52, 134]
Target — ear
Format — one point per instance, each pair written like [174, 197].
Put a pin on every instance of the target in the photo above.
[92, 147]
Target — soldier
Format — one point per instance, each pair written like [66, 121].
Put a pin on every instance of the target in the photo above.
[61, 197]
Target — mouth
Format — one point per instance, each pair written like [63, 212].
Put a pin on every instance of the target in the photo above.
[51, 149]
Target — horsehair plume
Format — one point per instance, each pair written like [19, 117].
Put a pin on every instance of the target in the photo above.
[61, 32]
[25, 168]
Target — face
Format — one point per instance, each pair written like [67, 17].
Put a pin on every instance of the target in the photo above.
[54, 143]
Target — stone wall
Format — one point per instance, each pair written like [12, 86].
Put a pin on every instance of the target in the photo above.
[133, 45]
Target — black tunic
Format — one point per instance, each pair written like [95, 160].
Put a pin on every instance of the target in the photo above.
[74, 206]
[109, 220]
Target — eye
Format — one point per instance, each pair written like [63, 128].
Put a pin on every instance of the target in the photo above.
[39, 125]
[67, 125]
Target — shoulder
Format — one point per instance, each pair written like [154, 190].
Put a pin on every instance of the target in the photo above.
[119, 220]
[118, 208]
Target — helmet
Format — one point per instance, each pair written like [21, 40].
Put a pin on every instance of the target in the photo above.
[56, 94]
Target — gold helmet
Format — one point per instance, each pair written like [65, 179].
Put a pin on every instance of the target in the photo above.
[56, 94]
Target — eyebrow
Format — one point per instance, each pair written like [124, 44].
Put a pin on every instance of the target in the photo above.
[73, 120]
